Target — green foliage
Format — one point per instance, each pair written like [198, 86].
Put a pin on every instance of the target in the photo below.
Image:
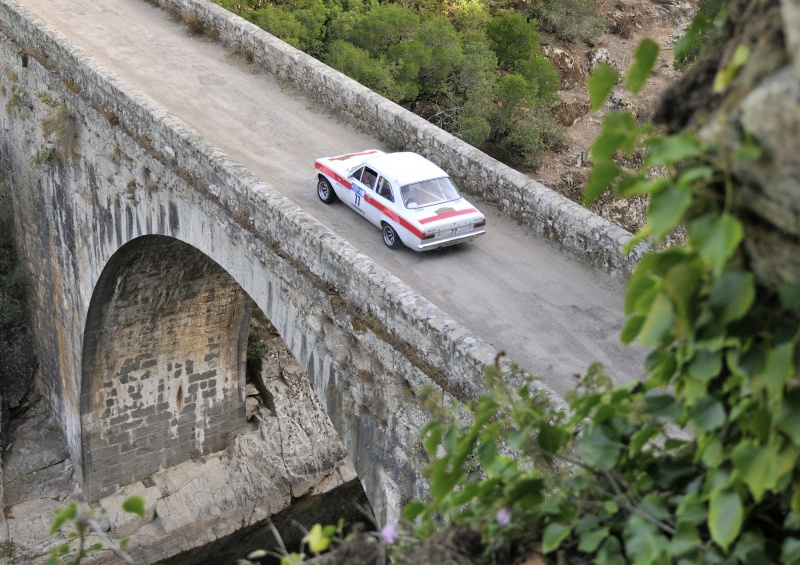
[300, 23]
[45, 155]
[575, 21]
[703, 34]
[438, 58]
[257, 346]
[514, 40]
[383, 27]
[83, 525]
[316, 541]
[357, 63]
[698, 462]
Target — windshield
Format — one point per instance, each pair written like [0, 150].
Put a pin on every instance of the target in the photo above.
[429, 192]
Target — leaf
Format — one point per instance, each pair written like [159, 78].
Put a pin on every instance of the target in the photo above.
[790, 551]
[316, 539]
[600, 178]
[716, 238]
[591, 540]
[686, 538]
[705, 365]
[598, 450]
[412, 510]
[756, 466]
[725, 517]
[553, 535]
[643, 544]
[658, 322]
[788, 418]
[667, 208]
[790, 296]
[134, 505]
[600, 82]
[778, 370]
[749, 149]
[63, 515]
[640, 439]
[725, 76]
[527, 492]
[643, 61]
[682, 283]
[733, 295]
[433, 439]
[670, 150]
[619, 132]
[610, 553]
[692, 34]
[707, 414]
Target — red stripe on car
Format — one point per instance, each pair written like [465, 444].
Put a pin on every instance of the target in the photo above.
[395, 217]
[447, 215]
[391, 214]
[332, 174]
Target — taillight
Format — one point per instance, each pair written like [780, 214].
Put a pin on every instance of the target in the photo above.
[479, 224]
[430, 235]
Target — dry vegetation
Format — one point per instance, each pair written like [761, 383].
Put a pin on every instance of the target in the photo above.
[627, 22]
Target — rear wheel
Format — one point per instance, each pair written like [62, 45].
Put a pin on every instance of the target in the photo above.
[390, 237]
[325, 191]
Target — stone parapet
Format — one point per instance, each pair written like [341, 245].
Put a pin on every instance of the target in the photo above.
[546, 212]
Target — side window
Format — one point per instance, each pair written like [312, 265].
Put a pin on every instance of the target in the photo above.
[368, 177]
[385, 189]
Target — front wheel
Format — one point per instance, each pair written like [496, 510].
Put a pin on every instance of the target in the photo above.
[390, 237]
[325, 191]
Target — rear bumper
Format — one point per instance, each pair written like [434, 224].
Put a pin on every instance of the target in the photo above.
[427, 245]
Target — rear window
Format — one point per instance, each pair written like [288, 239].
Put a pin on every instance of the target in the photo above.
[429, 192]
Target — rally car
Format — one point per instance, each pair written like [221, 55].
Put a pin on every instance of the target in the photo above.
[409, 198]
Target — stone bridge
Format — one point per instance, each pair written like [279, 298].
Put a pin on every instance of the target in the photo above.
[150, 248]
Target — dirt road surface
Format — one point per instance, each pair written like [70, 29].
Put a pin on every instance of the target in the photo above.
[552, 314]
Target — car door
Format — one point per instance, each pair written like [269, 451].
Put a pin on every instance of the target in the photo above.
[384, 201]
[362, 185]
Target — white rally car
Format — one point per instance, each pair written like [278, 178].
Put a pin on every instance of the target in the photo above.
[412, 200]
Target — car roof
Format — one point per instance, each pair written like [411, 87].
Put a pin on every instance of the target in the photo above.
[405, 168]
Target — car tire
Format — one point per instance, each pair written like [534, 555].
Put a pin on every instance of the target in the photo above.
[325, 191]
[390, 237]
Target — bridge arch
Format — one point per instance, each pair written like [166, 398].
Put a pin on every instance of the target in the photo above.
[163, 369]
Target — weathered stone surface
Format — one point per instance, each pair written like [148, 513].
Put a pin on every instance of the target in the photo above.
[196, 502]
[124, 523]
[763, 99]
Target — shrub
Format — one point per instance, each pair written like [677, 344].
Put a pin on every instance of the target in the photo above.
[571, 20]
[702, 35]
[514, 39]
[383, 27]
[359, 65]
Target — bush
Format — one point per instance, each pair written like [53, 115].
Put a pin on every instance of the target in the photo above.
[514, 40]
[571, 20]
[359, 65]
[383, 27]
[702, 35]
[300, 23]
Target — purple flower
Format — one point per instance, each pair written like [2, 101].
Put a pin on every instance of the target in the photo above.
[389, 533]
[504, 516]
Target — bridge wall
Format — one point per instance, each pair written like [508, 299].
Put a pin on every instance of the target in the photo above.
[546, 212]
[164, 363]
[122, 168]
